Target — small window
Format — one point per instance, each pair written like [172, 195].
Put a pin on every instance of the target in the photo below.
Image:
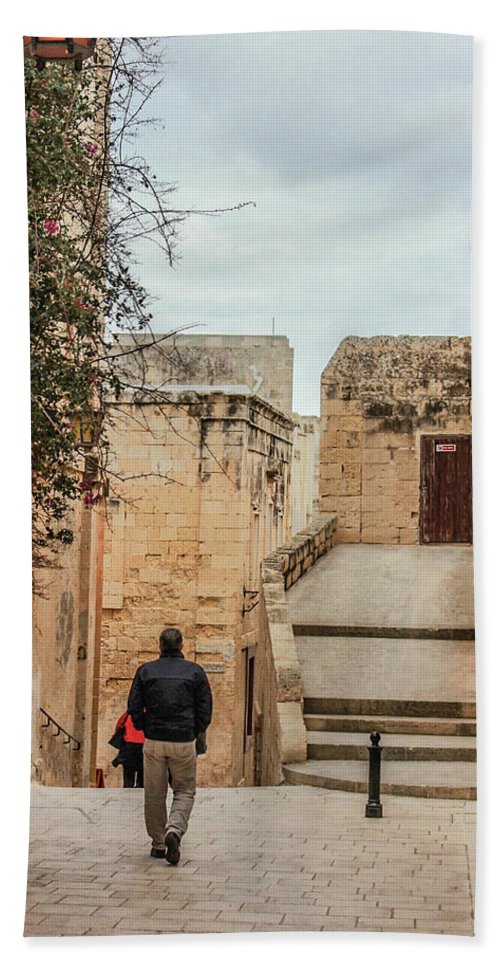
[249, 682]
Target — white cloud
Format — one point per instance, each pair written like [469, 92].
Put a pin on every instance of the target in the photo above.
[355, 148]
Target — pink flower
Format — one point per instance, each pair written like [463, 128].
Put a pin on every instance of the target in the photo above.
[52, 227]
[34, 115]
[82, 305]
[91, 148]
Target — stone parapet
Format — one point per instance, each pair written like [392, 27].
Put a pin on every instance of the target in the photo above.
[294, 558]
[284, 737]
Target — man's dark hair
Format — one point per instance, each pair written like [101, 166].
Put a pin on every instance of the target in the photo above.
[170, 639]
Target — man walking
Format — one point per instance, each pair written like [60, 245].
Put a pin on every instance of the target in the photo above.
[171, 701]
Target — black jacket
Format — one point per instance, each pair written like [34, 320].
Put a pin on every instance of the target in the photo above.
[170, 699]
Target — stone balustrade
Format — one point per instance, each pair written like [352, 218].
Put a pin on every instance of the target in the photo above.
[283, 731]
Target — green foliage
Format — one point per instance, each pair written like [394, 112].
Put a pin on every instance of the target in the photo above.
[66, 168]
[88, 198]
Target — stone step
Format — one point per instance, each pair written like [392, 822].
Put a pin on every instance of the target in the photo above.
[399, 747]
[390, 724]
[430, 780]
[382, 632]
[387, 707]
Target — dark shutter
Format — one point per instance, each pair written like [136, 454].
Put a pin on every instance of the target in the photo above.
[446, 490]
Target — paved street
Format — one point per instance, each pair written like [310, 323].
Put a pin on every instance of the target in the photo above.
[255, 859]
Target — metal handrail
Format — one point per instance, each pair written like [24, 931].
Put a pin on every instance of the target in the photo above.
[69, 738]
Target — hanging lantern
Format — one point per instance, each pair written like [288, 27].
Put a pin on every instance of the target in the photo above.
[87, 429]
[75, 49]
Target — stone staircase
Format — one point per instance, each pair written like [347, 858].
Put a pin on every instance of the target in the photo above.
[423, 755]
[413, 684]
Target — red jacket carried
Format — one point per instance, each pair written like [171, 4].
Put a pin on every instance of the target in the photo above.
[131, 733]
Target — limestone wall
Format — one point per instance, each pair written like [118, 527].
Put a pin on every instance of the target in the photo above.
[66, 635]
[262, 363]
[284, 736]
[378, 396]
[305, 471]
[206, 497]
[67, 612]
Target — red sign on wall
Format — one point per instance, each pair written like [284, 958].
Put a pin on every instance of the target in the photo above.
[446, 448]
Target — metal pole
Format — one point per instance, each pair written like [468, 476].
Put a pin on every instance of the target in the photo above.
[373, 808]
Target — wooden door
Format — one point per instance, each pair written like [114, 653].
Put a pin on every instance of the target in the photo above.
[446, 490]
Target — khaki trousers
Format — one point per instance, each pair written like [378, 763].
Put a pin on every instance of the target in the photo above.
[159, 758]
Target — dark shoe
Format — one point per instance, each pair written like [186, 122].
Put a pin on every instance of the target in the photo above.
[159, 854]
[172, 842]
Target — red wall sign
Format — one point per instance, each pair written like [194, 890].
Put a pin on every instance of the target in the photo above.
[446, 448]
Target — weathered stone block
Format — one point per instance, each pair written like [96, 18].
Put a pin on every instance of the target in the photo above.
[349, 535]
[379, 504]
[406, 464]
[389, 517]
[328, 503]
[383, 440]
[345, 487]
[348, 506]
[350, 519]
[348, 422]
[337, 407]
[408, 535]
[341, 439]
[375, 455]
[340, 455]
[289, 682]
[332, 471]
[219, 582]
[293, 732]
[125, 644]
[379, 535]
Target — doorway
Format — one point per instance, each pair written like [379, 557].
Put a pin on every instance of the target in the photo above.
[446, 490]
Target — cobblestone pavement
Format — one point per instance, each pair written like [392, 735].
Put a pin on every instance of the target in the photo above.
[254, 859]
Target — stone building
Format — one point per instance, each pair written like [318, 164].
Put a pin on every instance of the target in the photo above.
[305, 471]
[396, 440]
[203, 497]
[66, 645]
[263, 363]
[67, 607]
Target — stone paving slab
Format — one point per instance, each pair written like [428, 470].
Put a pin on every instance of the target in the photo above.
[254, 860]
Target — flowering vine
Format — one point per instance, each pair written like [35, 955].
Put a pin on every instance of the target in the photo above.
[90, 196]
[80, 220]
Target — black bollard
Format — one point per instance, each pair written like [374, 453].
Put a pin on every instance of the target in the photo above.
[373, 808]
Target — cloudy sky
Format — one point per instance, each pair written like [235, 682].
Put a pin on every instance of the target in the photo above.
[355, 148]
